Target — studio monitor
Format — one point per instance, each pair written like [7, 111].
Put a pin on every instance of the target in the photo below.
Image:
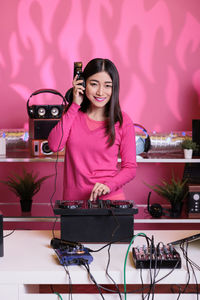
[194, 201]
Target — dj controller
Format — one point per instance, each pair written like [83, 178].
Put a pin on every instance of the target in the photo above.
[98, 207]
[96, 221]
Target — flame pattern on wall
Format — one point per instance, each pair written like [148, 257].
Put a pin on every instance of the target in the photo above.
[154, 43]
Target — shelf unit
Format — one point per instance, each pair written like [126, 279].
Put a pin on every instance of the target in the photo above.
[23, 156]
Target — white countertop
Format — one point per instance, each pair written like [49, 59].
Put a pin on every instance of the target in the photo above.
[29, 259]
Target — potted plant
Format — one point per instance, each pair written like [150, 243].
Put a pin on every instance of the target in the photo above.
[25, 187]
[175, 191]
[188, 147]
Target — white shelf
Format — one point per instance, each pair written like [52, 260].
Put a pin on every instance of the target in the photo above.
[168, 221]
[31, 159]
[53, 159]
[136, 221]
[168, 160]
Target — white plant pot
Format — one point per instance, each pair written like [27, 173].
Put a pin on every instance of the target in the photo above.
[188, 153]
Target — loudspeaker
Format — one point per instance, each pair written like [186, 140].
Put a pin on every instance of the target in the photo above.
[42, 118]
[46, 111]
[40, 129]
[196, 135]
[156, 210]
[192, 173]
[1, 234]
[41, 148]
[194, 201]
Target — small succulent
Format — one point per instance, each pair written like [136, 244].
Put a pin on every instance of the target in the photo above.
[189, 144]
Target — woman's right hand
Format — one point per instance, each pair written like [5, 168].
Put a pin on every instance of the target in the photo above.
[78, 90]
[98, 190]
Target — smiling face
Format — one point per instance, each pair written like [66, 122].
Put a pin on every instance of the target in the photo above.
[99, 89]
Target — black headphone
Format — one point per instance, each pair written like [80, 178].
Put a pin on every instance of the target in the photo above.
[156, 210]
[46, 111]
[147, 141]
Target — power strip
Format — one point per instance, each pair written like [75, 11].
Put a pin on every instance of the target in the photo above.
[160, 257]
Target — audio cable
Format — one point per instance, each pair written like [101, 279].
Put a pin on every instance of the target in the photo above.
[189, 265]
[109, 246]
[56, 163]
[86, 265]
[125, 261]
[55, 179]
[153, 276]
[8, 234]
[69, 277]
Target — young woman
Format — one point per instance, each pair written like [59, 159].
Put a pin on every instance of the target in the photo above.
[95, 133]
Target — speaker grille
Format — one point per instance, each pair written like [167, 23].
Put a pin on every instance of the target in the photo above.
[40, 129]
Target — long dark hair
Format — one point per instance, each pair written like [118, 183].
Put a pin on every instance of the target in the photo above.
[112, 110]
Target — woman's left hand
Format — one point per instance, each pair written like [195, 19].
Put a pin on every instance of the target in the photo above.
[98, 190]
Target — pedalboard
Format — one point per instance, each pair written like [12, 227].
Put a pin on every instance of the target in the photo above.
[160, 257]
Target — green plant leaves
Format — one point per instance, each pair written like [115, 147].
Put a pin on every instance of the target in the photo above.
[189, 144]
[174, 190]
[25, 186]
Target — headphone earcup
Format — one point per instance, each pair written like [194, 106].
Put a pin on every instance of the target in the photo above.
[32, 110]
[147, 140]
[147, 144]
[156, 210]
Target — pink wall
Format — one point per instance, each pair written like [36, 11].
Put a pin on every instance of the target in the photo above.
[154, 43]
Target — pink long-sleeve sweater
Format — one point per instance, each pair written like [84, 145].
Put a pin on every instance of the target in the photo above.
[89, 159]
